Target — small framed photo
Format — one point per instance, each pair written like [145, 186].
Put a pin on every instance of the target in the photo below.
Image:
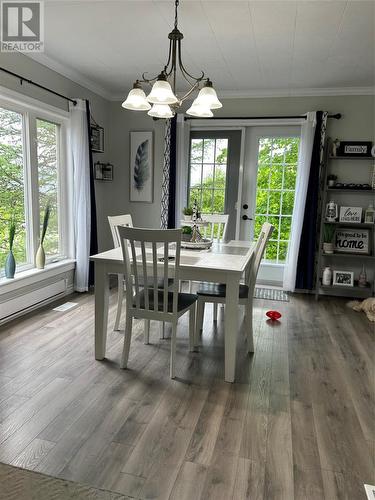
[351, 214]
[343, 278]
[103, 171]
[97, 139]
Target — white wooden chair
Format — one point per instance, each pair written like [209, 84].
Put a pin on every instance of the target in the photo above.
[215, 292]
[114, 221]
[152, 302]
[216, 230]
[217, 226]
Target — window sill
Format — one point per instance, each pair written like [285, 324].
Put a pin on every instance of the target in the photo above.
[34, 275]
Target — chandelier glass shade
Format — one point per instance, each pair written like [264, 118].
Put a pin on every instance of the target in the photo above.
[163, 95]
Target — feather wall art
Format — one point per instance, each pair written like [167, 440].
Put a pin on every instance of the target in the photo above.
[141, 167]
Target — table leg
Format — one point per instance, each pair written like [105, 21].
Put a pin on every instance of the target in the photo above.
[101, 309]
[231, 327]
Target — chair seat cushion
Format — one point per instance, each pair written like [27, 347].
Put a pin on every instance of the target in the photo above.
[185, 300]
[220, 289]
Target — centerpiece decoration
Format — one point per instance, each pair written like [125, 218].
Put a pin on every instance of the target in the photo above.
[197, 241]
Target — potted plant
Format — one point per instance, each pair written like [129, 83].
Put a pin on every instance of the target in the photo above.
[10, 261]
[328, 233]
[186, 233]
[188, 212]
[331, 180]
[40, 258]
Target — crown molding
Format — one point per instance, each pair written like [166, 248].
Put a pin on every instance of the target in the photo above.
[83, 81]
[302, 92]
[71, 74]
[261, 93]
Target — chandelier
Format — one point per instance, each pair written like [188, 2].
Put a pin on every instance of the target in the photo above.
[163, 96]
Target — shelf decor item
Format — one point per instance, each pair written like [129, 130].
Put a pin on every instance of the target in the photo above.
[328, 233]
[141, 167]
[354, 148]
[351, 214]
[334, 147]
[331, 211]
[362, 279]
[40, 257]
[370, 214]
[327, 276]
[10, 261]
[343, 278]
[355, 241]
[331, 180]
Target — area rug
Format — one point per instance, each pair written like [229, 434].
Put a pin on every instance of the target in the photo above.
[271, 294]
[21, 484]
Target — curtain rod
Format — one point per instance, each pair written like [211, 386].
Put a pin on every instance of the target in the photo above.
[336, 116]
[30, 82]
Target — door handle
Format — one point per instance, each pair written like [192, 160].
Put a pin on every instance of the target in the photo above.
[245, 217]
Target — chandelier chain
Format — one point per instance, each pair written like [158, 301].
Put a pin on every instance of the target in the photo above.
[176, 14]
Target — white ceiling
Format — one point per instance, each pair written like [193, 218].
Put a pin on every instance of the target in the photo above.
[245, 47]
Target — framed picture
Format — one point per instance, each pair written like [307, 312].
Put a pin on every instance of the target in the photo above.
[348, 240]
[351, 214]
[343, 278]
[141, 167]
[103, 171]
[97, 139]
[354, 148]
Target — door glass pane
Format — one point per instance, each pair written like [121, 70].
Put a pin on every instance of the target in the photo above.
[12, 198]
[208, 179]
[48, 178]
[276, 182]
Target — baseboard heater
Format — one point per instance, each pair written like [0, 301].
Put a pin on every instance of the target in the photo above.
[31, 299]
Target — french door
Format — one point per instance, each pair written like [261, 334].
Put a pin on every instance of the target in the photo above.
[268, 189]
[214, 173]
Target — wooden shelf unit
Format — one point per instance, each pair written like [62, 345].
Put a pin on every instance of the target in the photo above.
[361, 259]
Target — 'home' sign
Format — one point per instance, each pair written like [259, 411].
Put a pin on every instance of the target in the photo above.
[352, 240]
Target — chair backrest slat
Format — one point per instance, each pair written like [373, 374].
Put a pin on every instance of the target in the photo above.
[135, 271]
[143, 264]
[118, 220]
[166, 261]
[264, 236]
[218, 223]
[155, 268]
[145, 277]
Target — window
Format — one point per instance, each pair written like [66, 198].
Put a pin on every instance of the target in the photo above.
[277, 173]
[48, 182]
[30, 178]
[12, 184]
[207, 174]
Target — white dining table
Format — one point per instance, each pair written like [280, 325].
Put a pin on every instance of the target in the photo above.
[222, 263]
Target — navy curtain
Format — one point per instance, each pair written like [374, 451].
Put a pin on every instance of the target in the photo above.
[172, 175]
[94, 229]
[305, 279]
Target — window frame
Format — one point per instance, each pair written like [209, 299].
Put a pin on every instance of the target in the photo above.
[32, 110]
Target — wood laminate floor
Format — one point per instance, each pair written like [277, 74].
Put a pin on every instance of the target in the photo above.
[298, 423]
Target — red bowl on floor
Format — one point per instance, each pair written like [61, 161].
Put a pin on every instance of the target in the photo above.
[274, 315]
